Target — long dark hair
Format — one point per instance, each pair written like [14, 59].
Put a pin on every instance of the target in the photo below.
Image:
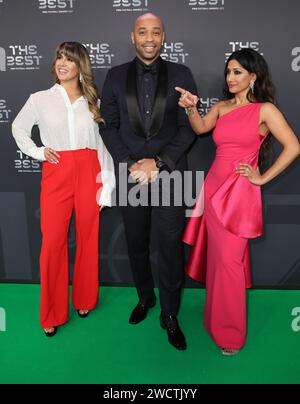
[264, 90]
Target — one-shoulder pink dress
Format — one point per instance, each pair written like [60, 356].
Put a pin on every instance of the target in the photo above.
[228, 212]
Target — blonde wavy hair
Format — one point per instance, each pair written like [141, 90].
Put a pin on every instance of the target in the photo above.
[76, 52]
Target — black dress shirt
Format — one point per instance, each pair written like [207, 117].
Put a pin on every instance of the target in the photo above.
[146, 82]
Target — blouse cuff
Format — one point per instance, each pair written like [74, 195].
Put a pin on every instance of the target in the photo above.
[106, 196]
[37, 153]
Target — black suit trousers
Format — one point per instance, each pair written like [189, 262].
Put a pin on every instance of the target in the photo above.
[167, 223]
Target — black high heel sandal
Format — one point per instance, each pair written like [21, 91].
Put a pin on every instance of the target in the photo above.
[82, 314]
[51, 333]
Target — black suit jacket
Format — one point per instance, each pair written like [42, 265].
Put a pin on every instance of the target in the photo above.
[123, 132]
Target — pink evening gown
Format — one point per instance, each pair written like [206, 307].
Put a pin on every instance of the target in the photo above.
[228, 212]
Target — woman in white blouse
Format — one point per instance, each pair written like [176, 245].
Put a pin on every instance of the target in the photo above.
[68, 115]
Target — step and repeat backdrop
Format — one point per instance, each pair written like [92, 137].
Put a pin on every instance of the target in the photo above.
[200, 34]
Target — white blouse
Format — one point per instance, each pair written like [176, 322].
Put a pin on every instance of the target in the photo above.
[63, 126]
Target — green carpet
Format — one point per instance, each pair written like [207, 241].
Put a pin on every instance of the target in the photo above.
[104, 348]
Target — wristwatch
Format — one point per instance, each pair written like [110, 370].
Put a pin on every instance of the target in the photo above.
[159, 163]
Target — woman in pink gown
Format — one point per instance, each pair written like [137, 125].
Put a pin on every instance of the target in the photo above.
[229, 209]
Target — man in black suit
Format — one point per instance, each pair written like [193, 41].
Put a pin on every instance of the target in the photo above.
[147, 130]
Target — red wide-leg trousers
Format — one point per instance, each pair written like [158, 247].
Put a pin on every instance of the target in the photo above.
[69, 186]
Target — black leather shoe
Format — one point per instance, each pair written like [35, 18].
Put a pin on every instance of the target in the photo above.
[51, 333]
[175, 335]
[139, 313]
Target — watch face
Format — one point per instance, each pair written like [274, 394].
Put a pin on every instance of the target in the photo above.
[159, 164]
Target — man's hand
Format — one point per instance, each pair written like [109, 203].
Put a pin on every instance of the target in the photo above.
[144, 171]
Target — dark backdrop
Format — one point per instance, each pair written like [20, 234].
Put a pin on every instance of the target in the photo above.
[200, 34]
